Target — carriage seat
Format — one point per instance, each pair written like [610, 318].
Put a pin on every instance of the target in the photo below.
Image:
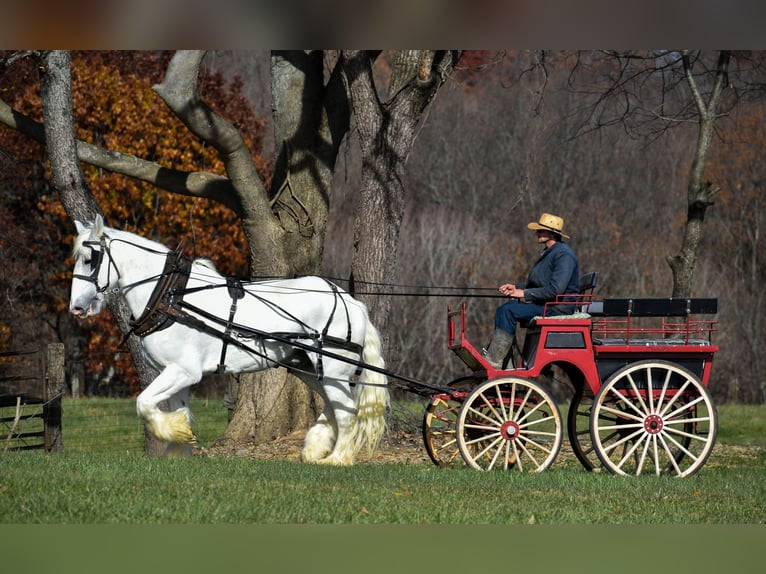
[657, 307]
[587, 284]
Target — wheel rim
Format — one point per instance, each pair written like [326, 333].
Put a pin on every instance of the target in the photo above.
[509, 423]
[440, 424]
[653, 417]
[578, 429]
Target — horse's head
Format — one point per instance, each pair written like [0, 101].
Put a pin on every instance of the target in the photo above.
[90, 277]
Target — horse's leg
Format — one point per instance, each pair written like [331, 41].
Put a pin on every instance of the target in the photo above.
[319, 440]
[179, 401]
[174, 426]
[340, 403]
[358, 413]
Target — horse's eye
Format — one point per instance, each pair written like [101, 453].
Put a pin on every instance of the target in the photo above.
[87, 262]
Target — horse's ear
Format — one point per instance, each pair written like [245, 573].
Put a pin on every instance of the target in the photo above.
[80, 227]
[98, 225]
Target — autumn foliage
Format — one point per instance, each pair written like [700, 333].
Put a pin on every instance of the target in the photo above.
[37, 253]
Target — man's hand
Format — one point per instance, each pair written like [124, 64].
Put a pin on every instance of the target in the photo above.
[510, 290]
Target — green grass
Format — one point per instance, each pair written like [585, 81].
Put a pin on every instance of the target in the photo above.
[96, 484]
[111, 425]
[123, 488]
[743, 425]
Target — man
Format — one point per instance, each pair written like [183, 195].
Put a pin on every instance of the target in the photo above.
[556, 272]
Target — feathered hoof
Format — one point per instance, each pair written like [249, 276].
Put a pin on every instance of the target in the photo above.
[180, 429]
[335, 459]
[174, 427]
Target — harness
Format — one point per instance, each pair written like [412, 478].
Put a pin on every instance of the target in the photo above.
[166, 306]
[231, 330]
[162, 311]
[96, 265]
[236, 292]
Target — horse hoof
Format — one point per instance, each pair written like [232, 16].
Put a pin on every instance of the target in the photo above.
[336, 460]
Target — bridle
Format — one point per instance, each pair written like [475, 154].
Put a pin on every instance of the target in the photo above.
[104, 242]
[98, 255]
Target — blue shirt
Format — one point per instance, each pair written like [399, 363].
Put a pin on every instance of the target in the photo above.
[556, 272]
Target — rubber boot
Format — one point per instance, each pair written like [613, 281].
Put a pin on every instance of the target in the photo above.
[498, 348]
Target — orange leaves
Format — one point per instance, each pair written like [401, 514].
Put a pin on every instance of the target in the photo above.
[116, 108]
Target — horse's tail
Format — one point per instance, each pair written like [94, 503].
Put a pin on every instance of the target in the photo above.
[372, 398]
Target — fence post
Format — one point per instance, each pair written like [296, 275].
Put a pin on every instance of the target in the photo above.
[54, 383]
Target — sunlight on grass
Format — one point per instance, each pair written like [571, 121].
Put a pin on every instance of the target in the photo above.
[112, 425]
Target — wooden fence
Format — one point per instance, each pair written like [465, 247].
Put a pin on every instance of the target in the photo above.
[32, 384]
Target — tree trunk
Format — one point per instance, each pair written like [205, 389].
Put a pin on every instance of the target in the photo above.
[268, 405]
[387, 134]
[311, 119]
[56, 94]
[699, 194]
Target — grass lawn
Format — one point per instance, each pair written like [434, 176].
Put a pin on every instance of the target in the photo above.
[103, 479]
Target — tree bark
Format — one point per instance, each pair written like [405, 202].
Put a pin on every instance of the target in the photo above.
[699, 194]
[387, 134]
[56, 95]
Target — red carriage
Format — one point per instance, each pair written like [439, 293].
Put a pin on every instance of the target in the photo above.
[638, 368]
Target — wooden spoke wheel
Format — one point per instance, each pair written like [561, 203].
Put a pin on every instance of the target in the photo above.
[653, 417]
[578, 429]
[509, 423]
[440, 423]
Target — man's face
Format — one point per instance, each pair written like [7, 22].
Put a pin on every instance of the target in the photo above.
[543, 235]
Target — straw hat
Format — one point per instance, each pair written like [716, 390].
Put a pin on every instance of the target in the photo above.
[549, 222]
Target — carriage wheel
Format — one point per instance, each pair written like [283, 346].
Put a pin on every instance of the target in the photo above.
[578, 429]
[509, 423]
[440, 423]
[670, 430]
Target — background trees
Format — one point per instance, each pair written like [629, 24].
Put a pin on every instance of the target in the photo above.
[509, 142]
[498, 148]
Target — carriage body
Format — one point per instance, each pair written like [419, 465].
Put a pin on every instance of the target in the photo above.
[638, 369]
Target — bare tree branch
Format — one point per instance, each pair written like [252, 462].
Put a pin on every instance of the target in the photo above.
[195, 184]
[179, 92]
[699, 102]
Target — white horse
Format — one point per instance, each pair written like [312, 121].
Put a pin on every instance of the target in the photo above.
[194, 322]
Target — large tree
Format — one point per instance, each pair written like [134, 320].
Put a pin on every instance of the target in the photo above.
[68, 178]
[284, 216]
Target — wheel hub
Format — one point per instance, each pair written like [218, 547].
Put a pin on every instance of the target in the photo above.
[653, 424]
[509, 430]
